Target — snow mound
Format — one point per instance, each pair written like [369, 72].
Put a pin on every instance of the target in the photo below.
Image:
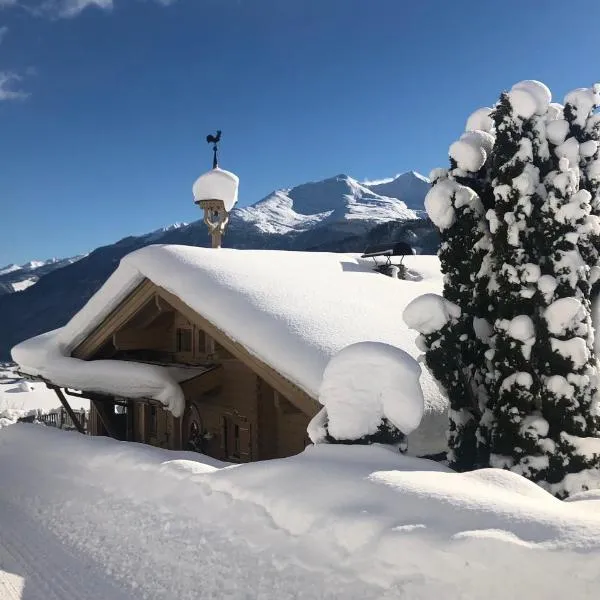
[523, 103]
[444, 197]
[429, 313]
[519, 328]
[480, 120]
[366, 382]
[468, 154]
[569, 149]
[481, 138]
[564, 315]
[217, 184]
[538, 91]
[557, 131]
[583, 101]
[371, 523]
[588, 149]
[555, 112]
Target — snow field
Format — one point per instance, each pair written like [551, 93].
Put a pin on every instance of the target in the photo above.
[363, 522]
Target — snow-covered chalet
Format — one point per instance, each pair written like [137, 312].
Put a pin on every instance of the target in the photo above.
[223, 351]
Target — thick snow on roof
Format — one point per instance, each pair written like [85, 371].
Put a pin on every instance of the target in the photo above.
[293, 310]
[217, 184]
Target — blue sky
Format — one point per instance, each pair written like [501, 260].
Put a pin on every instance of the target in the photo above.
[105, 105]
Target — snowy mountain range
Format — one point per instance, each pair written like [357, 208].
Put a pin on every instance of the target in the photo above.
[341, 202]
[336, 214]
[16, 278]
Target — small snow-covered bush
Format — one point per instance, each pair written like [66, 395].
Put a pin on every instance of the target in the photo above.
[370, 394]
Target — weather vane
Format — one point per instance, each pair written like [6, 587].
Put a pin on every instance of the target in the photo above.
[214, 140]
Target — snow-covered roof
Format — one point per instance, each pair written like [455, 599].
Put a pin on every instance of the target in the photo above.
[217, 184]
[292, 310]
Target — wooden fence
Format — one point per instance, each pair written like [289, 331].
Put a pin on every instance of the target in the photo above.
[60, 419]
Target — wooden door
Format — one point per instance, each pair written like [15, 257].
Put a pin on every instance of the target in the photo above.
[237, 438]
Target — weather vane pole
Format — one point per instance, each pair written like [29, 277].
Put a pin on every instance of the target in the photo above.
[214, 140]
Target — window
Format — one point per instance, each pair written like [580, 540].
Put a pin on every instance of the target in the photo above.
[183, 340]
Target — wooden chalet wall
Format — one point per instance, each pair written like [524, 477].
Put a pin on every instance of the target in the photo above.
[244, 412]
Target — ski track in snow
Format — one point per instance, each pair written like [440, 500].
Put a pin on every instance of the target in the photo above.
[35, 565]
[99, 543]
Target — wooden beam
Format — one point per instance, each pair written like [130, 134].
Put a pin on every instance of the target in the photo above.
[140, 339]
[117, 319]
[68, 408]
[203, 383]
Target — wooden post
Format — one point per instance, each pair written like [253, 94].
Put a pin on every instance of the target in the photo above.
[68, 408]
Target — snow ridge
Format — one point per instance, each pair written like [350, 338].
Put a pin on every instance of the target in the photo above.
[340, 199]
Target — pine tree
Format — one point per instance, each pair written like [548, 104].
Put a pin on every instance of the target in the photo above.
[515, 179]
[545, 397]
[579, 122]
[566, 362]
[513, 347]
[454, 352]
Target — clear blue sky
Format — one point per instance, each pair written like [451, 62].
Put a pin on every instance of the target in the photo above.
[110, 132]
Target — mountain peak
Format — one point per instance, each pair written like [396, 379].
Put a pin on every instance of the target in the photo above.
[410, 187]
[409, 174]
[339, 200]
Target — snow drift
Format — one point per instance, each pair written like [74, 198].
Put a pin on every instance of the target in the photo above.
[360, 522]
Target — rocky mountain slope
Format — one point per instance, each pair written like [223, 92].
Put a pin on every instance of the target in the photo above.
[16, 278]
[336, 214]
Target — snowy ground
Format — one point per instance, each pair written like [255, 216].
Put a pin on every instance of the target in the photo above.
[18, 398]
[93, 518]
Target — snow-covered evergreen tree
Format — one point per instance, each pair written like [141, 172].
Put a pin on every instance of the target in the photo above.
[545, 396]
[566, 361]
[515, 179]
[454, 353]
[577, 131]
[514, 352]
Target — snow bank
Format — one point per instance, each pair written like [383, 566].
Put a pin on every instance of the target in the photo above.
[367, 382]
[292, 310]
[335, 521]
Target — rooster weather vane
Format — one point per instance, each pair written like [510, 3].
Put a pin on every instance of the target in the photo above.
[214, 140]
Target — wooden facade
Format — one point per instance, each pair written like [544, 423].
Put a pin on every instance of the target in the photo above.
[238, 408]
